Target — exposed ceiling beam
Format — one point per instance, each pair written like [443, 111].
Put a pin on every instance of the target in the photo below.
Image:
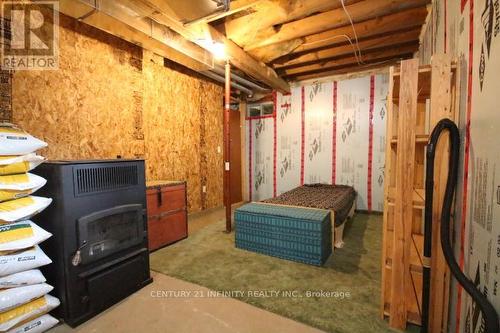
[352, 71]
[379, 55]
[243, 30]
[411, 18]
[139, 30]
[203, 31]
[346, 49]
[360, 11]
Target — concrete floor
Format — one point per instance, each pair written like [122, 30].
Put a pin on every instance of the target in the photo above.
[155, 309]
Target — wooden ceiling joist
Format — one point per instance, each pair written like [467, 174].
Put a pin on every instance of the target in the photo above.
[384, 41]
[352, 61]
[243, 30]
[314, 24]
[410, 18]
[203, 31]
[347, 71]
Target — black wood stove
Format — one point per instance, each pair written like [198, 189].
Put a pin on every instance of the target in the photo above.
[99, 247]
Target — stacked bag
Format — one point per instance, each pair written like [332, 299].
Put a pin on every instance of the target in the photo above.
[24, 298]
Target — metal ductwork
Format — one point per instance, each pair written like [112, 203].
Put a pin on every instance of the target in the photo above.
[193, 11]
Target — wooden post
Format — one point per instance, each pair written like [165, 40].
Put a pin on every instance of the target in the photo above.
[387, 180]
[227, 147]
[440, 273]
[403, 209]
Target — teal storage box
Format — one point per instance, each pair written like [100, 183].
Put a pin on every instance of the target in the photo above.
[293, 233]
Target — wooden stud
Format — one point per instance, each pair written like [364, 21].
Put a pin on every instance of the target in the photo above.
[440, 273]
[387, 177]
[403, 210]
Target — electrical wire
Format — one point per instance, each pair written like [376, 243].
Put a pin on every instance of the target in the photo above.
[358, 60]
[353, 29]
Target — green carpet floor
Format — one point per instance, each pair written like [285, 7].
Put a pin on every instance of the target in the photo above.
[209, 258]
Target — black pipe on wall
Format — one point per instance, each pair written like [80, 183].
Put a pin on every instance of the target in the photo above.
[489, 314]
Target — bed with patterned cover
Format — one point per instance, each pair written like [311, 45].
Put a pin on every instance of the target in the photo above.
[340, 200]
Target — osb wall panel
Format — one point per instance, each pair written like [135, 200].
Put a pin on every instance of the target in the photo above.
[171, 126]
[211, 102]
[107, 101]
[86, 108]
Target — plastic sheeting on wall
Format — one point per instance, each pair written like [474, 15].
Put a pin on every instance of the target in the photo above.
[331, 132]
[469, 29]
[261, 137]
[288, 117]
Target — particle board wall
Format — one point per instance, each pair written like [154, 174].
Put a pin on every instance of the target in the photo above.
[85, 109]
[110, 98]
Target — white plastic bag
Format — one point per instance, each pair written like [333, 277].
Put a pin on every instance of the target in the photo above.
[19, 186]
[14, 297]
[11, 165]
[33, 309]
[23, 260]
[22, 209]
[38, 325]
[14, 141]
[21, 235]
[25, 278]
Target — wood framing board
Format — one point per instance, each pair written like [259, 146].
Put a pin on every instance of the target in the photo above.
[440, 273]
[403, 214]
[387, 176]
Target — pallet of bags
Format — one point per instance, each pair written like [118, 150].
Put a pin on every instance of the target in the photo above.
[24, 298]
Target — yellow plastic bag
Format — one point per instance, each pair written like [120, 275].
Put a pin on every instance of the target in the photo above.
[27, 311]
[22, 209]
[19, 186]
[21, 235]
[10, 165]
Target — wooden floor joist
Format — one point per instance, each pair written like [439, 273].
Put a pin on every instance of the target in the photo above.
[392, 23]
[378, 55]
[332, 19]
[385, 41]
[245, 29]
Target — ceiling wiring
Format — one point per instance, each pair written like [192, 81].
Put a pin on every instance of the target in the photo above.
[353, 29]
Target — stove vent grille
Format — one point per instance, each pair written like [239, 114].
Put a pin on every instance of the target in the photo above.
[97, 179]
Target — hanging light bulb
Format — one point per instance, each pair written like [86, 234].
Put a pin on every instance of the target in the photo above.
[217, 49]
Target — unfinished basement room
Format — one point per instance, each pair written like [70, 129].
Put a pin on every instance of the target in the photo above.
[249, 166]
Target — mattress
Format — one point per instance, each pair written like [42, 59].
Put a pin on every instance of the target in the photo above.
[293, 233]
[338, 198]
